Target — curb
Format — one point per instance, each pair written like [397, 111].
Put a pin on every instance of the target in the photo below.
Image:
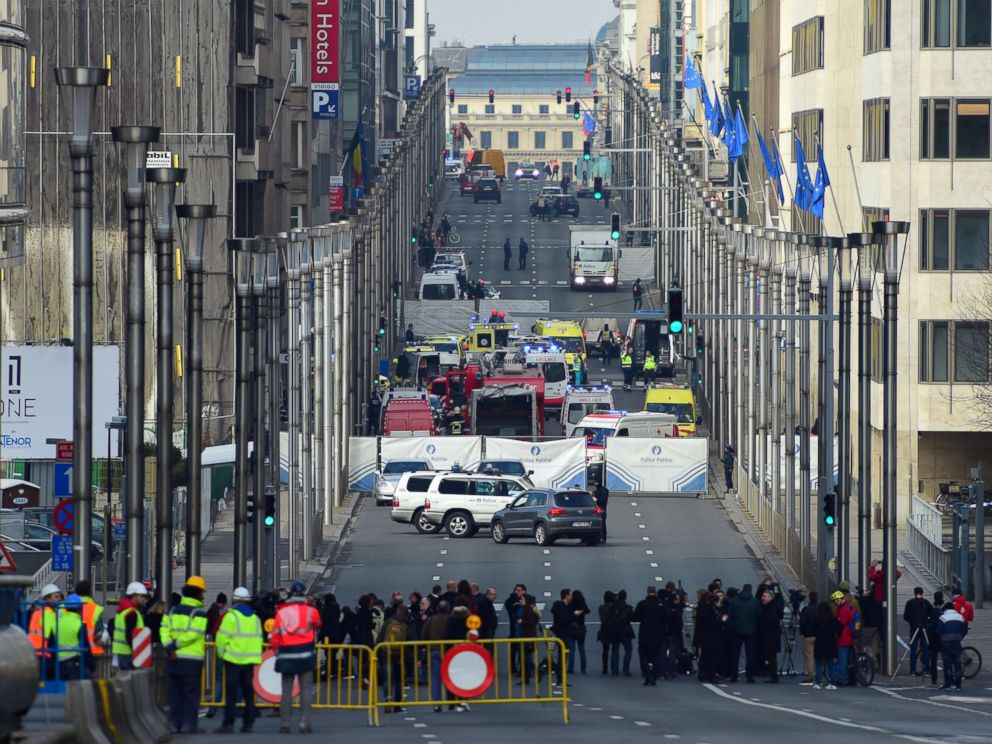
[336, 543]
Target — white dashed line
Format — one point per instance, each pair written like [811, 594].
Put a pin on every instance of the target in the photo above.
[633, 503]
[637, 514]
[547, 564]
[641, 723]
[649, 552]
[653, 565]
[659, 578]
[641, 526]
[617, 718]
[547, 578]
[435, 578]
[547, 594]
[444, 552]
[440, 565]
[645, 538]
[671, 736]
[428, 736]
[420, 725]
[596, 709]
[547, 552]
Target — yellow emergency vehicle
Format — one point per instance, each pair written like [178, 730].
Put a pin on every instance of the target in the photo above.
[486, 337]
[567, 335]
[676, 400]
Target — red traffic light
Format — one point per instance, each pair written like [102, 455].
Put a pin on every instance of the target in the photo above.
[451, 95]
[568, 95]
[595, 97]
[492, 95]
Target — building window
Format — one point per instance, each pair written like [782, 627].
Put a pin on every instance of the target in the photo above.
[539, 140]
[517, 109]
[295, 216]
[410, 14]
[807, 45]
[513, 140]
[543, 109]
[462, 108]
[490, 108]
[966, 23]
[297, 60]
[878, 25]
[968, 135]
[957, 238]
[566, 140]
[809, 126]
[298, 139]
[869, 216]
[875, 130]
[954, 351]
[486, 139]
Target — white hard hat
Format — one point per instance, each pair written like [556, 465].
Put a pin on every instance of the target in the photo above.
[241, 593]
[50, 589]
[136, 587]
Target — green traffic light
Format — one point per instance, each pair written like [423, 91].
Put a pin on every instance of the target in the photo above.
[598, 195]
[616, 236]
[829, 521]
[382, 331]
[270, 521]
[576, 115]
[675, 326]
[586, 156]
[689, 329]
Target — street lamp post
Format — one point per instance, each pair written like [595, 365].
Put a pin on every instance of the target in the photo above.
[805, 271]
[274, 395]
[135, 141]
[791, 271]
[196, 216]
[825, 257]
[845, 265]
[163, 230]
[83, 83]
[320, 355]
[306, 399]
[242, 250]
[776, 253]
[259, 268]
[887, 233]
[292, 252]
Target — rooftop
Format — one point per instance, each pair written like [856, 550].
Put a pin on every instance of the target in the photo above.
[523, 69]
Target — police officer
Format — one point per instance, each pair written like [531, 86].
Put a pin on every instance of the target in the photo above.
[41, 629]
[239, 646]
[523, 248]
[650, 366]
[184, 636]
[627, 365]
[507, 254]
[374, 411]
[293, 637]
[70, 639]
[127, 620]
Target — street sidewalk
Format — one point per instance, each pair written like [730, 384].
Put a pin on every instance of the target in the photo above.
[980, 635]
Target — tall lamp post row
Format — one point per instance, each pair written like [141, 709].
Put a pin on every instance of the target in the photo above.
[739, 271]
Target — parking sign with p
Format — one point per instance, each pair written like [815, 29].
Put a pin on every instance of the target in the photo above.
[324, 102]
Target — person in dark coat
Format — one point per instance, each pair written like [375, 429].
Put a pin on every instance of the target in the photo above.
[602, 495]
[579, 609]
[934, 635]
[330, 620]
[621, 633]
[486, 610]
[563, 625]
[743, 624]
[507, 254]
[522, 250]
[770, 633]
[604, 636]
[651, 615]
[918, 614]
[826, 631]
[708, 637]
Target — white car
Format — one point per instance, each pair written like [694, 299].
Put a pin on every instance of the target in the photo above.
[408, 501]
[392, 471]
[527, 170]
[464, 502]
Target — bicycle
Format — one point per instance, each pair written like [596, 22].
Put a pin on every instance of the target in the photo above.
[971, 662]
[864, 669]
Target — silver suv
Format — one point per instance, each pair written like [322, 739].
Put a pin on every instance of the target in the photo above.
[464, 502]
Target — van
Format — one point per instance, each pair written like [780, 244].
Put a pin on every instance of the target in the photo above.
[580, 402]
[676, 400]
[598, 427]
[567, 335]
[405, 417]
[493, 158]
[441, 286]
[453, 168]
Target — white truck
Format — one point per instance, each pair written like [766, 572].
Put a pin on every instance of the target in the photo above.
[594, 257]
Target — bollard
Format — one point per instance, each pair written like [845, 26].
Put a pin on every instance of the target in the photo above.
[81, 709]
[143, 687]
[137, 716]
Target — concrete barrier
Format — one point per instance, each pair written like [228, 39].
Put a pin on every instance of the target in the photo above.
[113, 712]
[143, 683]
[81, 709]
[137, 716]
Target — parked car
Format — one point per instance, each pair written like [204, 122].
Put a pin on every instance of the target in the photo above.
[39, 536]
[506, 467]
[44, 516]
[566, 204]
[408, 501]
[392, 471]
[548, 515]
[488, 188]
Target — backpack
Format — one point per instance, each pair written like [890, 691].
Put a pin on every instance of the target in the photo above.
[377, 621]
[394, 632]
[616, 622]
[683, 662]
[855, 623]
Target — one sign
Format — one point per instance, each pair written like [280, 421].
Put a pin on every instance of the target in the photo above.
[268, 682]
[467, 670]
[656, 465]
[64, 450]
[654, 50]
[557, 463]
[158, 159]
[119, 533]
[141, 648]
[384, 147]
[411, 86]
[36, 398]
[6, 560]
[324, 102]
[62, 553]
[63, 479]
[62, 516]
[336, 193]
[324, 58]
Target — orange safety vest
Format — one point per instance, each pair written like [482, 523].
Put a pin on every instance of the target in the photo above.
[296, 624]
[36, 631]
[89, 621]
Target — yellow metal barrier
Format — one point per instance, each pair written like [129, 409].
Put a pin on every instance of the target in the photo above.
[523, 672]
[344, 680]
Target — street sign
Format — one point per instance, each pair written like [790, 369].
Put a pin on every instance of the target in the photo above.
[336, 194]
[63, 479]
[324, 101]
[384, 147]
[467, 670]
[62, 553]
[411, 86]
[64, 450]
[268, 682]
[120, 531]
[158, 159]
[62, 516]
[6, 560]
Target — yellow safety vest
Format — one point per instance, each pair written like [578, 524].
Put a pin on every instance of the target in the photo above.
[92, 612]
[185, 627]
[68, 635]
[239, 638]
[649, 364]
[625, 360]
[122, 644]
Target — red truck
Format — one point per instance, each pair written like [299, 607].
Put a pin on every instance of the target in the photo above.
[408, 417]
[456, 387]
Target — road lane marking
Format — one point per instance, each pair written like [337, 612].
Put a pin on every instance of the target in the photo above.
[641, 723]
[962, 699]
[633, 503]
[659, 578]
[617, 718]
[641, 526]
[636, 514]
[547, 564]
[653, 565]
[547, 551]
[645, 538]
[435, 578]
[444, 552]
[931, 701]
[547, 578]
[649, 552]
[440, 565]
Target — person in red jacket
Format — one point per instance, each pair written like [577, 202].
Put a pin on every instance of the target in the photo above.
[962, 606]
[876, 575]
[294, 638]
[849, 620]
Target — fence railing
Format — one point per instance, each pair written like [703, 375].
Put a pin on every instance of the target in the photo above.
[932, 555]
[928, 520]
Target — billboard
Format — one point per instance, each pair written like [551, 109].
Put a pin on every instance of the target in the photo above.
[654, 52]
[36, 398]
[324, 58]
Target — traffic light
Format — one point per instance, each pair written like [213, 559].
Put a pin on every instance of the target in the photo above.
[700, 344]
[451, 95]
[597, 190]
[829, 516]
[568, 95]
[595, 98]
[675, 324]
[586, 150]
[413, 237]
[576, 113]
[382, 325]
[615, 226]
[270, 507]
[492, 95]
[251, 508]
[559, 96]
[396, 289]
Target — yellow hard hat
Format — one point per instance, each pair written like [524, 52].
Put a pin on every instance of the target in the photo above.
[197, 582]
[837, 595]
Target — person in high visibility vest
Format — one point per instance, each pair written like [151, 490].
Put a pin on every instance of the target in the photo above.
[294, 637]
[578, 369]
[70, 639]
[93, 620]
[41, 629]
[650, 366]
[127, 620]
[239, 647]
[184, 636]
[627, 365]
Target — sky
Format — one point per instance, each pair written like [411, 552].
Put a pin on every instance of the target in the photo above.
[475, 22]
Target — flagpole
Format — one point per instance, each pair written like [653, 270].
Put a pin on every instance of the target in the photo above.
[857, 188]
[797, 208]
[747, 170]
[833, 198]
[785, 173]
